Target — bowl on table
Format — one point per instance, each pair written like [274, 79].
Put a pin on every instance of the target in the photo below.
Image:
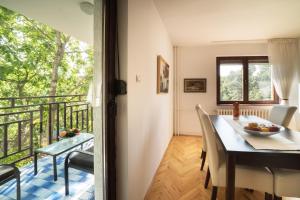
[262, 129]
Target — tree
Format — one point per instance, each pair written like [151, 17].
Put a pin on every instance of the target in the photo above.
[260, 87]
[232, 87]
[37, 60]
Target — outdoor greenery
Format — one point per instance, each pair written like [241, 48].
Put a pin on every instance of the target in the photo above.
[260, 87]
[260, 83]
[37, 60]
[232, 85]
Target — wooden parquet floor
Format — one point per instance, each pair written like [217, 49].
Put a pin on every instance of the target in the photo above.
[179, 177]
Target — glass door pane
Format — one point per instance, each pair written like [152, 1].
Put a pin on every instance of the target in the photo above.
[260, 83]
[231, 82]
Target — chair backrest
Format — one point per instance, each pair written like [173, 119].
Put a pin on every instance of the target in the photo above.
[198, 110]
[282, 115]
[215, 157]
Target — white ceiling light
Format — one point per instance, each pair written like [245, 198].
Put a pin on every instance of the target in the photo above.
[87, 7]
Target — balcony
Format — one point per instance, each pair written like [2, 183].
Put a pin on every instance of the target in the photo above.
[29, 123]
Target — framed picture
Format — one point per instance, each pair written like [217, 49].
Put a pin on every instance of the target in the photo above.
[195, 85]
[162, 75]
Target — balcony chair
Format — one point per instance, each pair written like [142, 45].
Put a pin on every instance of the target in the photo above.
[204, 148]
[246, 177]
[9, 172]
[80, 160]
[282, 115]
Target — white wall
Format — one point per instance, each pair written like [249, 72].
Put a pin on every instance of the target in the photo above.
[200, 62]
[145, 130]
[150, 115]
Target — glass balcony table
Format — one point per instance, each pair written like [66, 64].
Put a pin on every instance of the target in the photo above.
[61, 147]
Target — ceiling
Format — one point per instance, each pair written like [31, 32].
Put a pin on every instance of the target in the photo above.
[63, 15]
[197, 22]
[189, 22]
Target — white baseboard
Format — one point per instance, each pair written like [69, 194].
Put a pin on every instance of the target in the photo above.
[189, 133]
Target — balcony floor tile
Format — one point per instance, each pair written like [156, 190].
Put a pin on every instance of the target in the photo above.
[43, 187]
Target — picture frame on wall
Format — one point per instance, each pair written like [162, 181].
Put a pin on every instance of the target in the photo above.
[163, 73]
[195, 85]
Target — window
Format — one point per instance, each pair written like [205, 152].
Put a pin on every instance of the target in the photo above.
[246, 80]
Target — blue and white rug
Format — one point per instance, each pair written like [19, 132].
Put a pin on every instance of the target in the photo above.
[43, 187]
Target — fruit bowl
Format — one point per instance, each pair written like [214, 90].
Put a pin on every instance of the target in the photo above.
[69, 133]
[262, 129]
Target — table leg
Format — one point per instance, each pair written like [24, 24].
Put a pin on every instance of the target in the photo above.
[230, 176]
[35, 163]
[54, 168]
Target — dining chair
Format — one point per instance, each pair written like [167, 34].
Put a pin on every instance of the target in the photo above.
[286, 183]
[282, 115]
[255, 178]
[204, 148]
[9, 172]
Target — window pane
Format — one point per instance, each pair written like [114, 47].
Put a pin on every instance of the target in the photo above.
[231, 82]
[260, 84]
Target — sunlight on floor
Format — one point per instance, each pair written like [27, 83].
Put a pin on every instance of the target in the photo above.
[179, 177]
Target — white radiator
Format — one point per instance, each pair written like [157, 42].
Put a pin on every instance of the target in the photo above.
[259, 112]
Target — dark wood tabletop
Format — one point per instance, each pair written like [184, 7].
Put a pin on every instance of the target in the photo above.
[238, 151]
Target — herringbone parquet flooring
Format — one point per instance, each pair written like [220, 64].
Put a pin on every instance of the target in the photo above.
[179, 178]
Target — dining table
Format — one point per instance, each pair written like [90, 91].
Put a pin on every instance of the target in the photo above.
[277, 151]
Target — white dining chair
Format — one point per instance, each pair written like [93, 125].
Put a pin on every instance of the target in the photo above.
[286, 183]
[259, 179]
[204, 148]
[282, 115]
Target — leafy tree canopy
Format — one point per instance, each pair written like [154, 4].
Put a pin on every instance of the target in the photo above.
[31, 53]
[260, 84]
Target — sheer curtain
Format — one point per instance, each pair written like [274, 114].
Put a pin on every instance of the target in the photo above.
[284, 59]
[97, 99]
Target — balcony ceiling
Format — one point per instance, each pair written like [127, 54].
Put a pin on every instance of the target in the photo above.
[194, 22]
[63, 15]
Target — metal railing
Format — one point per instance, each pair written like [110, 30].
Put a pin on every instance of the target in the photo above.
[32, 122]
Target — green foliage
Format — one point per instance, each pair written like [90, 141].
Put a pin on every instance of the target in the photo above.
[232, 87]
[260, 87]
[27, 52]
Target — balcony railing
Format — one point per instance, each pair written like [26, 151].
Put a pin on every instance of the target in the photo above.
[31, 122]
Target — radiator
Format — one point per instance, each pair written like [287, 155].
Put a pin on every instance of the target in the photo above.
[259, 112]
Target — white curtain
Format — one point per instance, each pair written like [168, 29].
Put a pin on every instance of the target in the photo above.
[298, 69]
[97, 99]
[284, 59]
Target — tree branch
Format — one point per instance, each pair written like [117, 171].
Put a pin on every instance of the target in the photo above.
[37, 28]
[70, 52]
[76, 87]
[13, 52]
